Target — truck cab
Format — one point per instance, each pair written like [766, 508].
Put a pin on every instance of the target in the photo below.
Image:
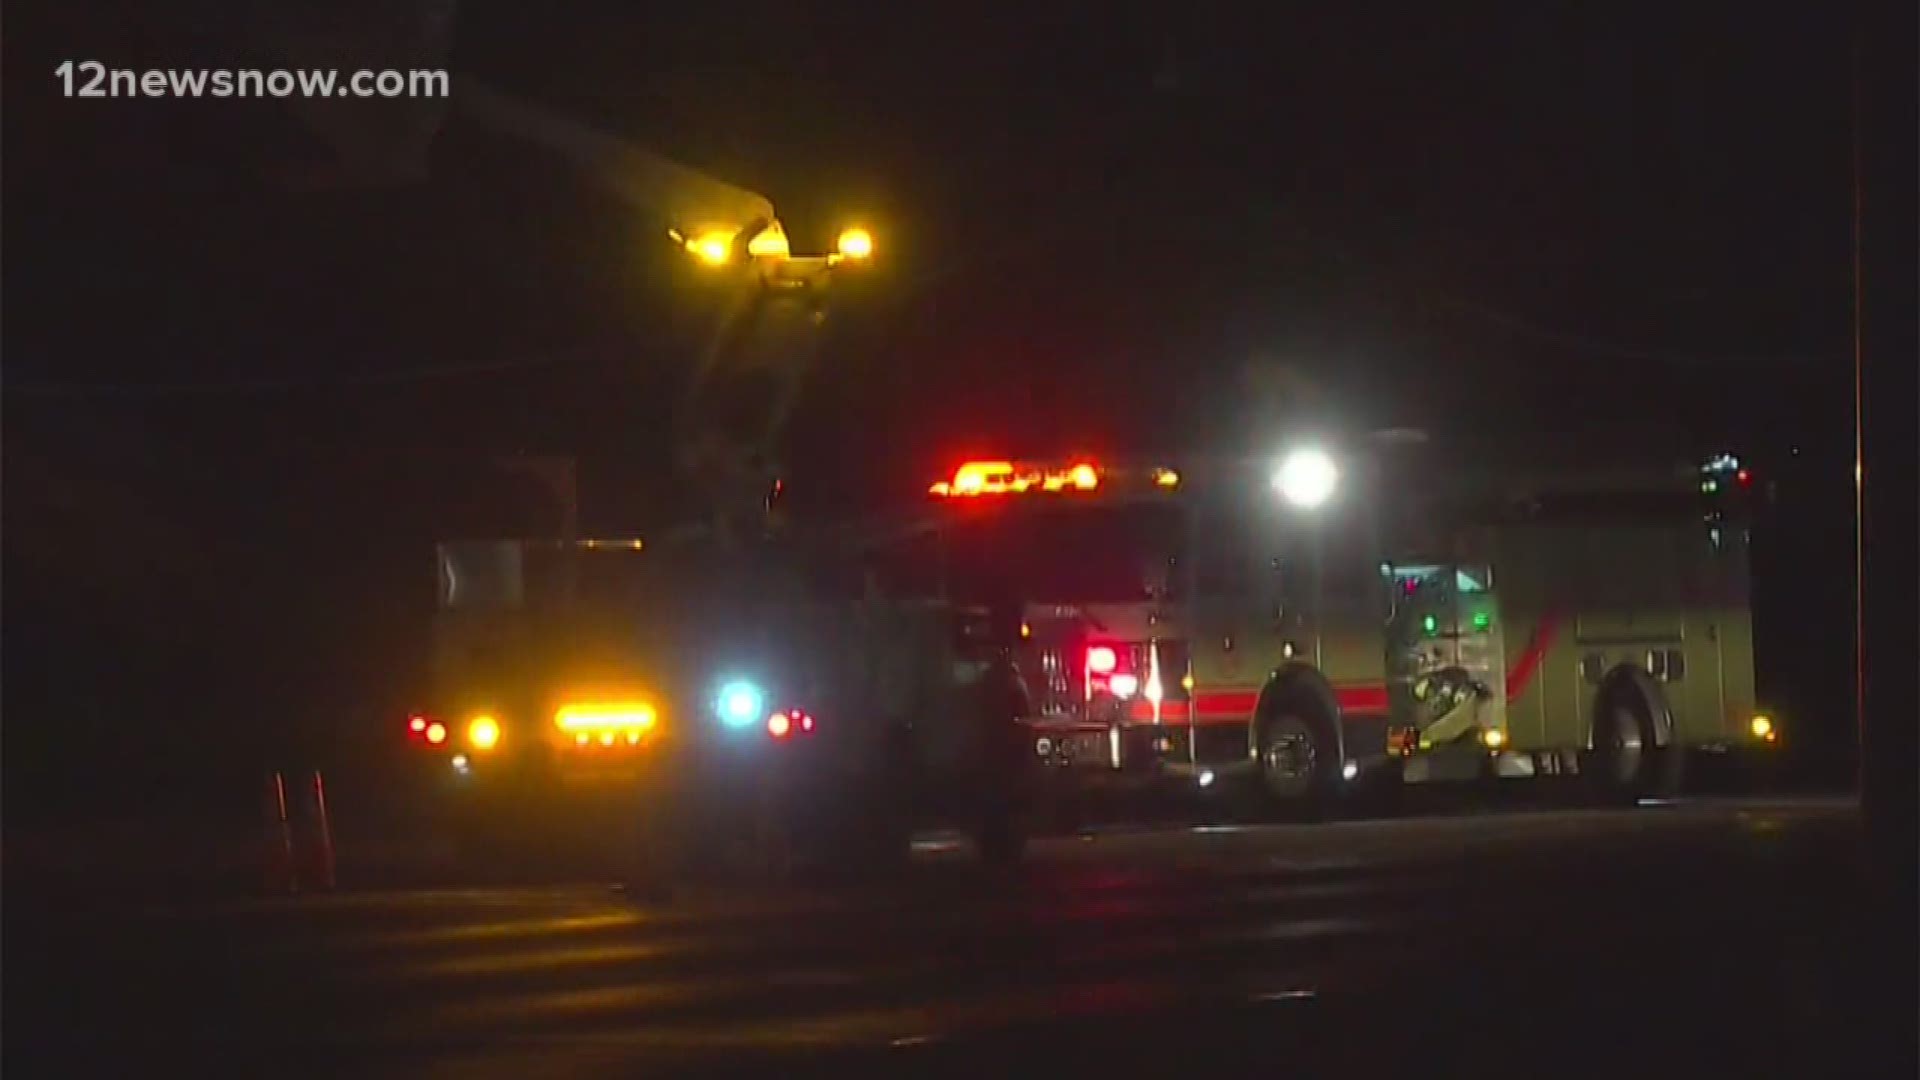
[594, 691]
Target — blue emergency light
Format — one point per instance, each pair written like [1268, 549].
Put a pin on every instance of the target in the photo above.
[740, 704]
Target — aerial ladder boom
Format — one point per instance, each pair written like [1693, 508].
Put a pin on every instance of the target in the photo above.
[769, 327]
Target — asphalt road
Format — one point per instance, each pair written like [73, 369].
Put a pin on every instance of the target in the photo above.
[1673, 940]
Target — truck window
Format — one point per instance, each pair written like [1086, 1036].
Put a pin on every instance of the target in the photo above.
[481, 575]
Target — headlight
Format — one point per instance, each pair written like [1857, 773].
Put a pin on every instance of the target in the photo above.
[740, 703]
[483, 733]
[1762, 728]
[1306, 478]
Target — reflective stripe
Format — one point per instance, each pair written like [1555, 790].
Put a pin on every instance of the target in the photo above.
[1234, 706]
[1523, 669]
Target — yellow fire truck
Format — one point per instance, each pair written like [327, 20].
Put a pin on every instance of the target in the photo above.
[1339, 616]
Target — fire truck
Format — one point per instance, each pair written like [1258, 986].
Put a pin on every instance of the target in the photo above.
[1342, 618]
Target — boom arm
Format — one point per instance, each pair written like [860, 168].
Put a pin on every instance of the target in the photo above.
[770, 328]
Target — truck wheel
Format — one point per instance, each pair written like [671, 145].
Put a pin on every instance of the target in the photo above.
[1626, 762]
[880, 849]
[858, 840]
[1298, 761]
[1002, 839]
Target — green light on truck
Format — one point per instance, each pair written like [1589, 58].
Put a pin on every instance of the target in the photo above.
[1430, 624]
[1482, 620]
[1709, 486]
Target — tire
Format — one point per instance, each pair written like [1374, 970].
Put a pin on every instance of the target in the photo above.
[866, 851]
[1626, 762]
[1298, 760]
[860, 834]
[1002, 839]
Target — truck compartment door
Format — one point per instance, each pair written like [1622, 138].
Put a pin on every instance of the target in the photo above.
[1446, 654]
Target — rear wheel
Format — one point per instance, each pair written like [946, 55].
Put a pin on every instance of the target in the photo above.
[1626, 761]
[1002, 839]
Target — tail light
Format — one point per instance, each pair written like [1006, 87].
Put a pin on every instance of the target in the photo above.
[782, 724]
[436, 733]
[1101, 659]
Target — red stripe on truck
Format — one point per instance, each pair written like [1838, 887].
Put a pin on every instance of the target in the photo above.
[1528, 664]
[1361, 699]
[1239, 703]
[1234, 706]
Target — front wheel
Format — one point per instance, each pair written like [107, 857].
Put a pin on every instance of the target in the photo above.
[1002, 839]
[1298, 762]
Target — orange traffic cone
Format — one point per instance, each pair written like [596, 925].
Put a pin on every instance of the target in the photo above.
[280, 877]
[319, 836]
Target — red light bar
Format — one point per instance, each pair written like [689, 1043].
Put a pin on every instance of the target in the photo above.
[974, 478]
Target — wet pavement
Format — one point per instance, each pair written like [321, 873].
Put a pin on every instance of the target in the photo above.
[1683, 939]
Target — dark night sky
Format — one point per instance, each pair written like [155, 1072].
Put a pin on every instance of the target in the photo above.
[1555, 222]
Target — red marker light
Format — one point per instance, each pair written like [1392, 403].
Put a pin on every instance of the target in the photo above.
[436, 733]
[416, 724]
[778, 725]
[1744, 477]
[1084, 477]
[1101, 660]
[806, 722]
